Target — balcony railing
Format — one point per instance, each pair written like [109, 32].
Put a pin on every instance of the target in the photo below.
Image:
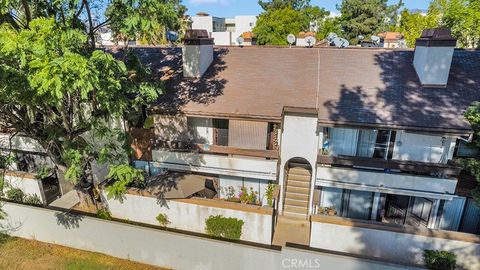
[415, 167]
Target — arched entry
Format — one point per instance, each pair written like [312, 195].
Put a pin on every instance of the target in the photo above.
[298, 175]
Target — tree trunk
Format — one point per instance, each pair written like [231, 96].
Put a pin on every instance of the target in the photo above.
[85, 194]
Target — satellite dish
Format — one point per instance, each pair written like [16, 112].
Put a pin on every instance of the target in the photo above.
[291, 39]
[340, 42]
[331, 37]
[240, 41]
[172, 36]
[375, 39]
[361, 37]
[310, 41]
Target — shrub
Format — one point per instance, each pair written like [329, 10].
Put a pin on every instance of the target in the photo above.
[149, 123]
[269, 194]
[439, 260]
[163, 220]
[248, 197]
[104, 214]
[32, 200]
[220, 226]
[44, 172]
[15, 194]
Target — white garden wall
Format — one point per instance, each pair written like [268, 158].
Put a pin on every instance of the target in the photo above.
[401, 245]
[26, 182]
[190, 214]
[164, 248]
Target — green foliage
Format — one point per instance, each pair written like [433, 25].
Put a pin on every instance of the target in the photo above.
[412, 24]
[273, 26]
[104, 214]
[366, 17]
[279, 4]
[163, 219]
[439, 260]
[472, 114]
[220, 226]
[122, 176]
[149, 123]
[247, 196]
[144, 19]
[32, 199]
[269, 194]
[43, 172]
[327, 26]
[15, 194]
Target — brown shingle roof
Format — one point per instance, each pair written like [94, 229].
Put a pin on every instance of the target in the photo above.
[377, 87]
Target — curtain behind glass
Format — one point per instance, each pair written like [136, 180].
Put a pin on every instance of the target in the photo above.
[366, 142]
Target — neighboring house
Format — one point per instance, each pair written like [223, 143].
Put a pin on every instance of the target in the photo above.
[392, 40]
[367, 133]
[224, 31]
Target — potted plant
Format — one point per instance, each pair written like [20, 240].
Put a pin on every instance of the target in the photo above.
[439, 260]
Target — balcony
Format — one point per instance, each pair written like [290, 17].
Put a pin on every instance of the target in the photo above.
[388, 176]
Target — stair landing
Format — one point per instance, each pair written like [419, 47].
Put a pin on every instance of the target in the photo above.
[291, 230]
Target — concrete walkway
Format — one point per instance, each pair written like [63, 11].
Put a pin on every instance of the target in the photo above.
[67, 201]
[291, 230]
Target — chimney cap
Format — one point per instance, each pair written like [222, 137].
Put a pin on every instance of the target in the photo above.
[197, 37]
[436, 37]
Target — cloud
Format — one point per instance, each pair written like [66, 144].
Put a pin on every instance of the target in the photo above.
[209, 2]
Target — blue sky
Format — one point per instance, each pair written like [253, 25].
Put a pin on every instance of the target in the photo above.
[230, 8]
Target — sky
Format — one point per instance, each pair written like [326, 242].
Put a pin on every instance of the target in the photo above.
[230, 8]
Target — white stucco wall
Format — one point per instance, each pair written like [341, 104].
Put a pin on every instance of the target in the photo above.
[222, 38]
[395, 246]
[386, 180]
[245, 23]
[28, 184]
[433, 64]
[20, 142]
[201, 129]
[216, 164]
[196, 59]
[299, 138]
[165, 248]
[425, 148]
[202, 22]
[190, 217]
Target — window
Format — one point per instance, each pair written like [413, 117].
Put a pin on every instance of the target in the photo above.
[220, 132]
[251, 24]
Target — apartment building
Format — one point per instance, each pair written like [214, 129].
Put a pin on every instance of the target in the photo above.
[363, 134]
[224, 31]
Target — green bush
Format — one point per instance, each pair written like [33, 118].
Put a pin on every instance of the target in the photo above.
[32, 200]
[104, 214]
[220, 226]
[163, 219]
[149, 123]
[15, 194]
[439, 260]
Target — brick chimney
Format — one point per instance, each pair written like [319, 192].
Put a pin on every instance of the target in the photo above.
[197, 53]
[433, 56]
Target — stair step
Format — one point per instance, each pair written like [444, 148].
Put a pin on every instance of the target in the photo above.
[293, 202]
[297, 196]
[299, 170]
[298, 177]
[295, 215]
[295, 183]
[301, 190]
[295, 209]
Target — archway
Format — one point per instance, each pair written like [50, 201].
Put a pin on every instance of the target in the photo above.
[297, 183]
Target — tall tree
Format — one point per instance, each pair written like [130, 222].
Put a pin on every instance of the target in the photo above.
[57, 88]
[281, 18]
[366, 17]
[473, 164]
[412, 24]
[280, 4]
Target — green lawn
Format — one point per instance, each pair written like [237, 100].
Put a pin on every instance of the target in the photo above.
[17, 253]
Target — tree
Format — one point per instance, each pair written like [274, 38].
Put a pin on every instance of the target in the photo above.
[412, 24]
[273, 26]
[462, 17]
[286, 17]
[366, 17]
[327, 26]
[58, 89]
[280, 4]
[472, 165]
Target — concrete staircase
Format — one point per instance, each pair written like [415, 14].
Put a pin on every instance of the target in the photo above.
[297, 192]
